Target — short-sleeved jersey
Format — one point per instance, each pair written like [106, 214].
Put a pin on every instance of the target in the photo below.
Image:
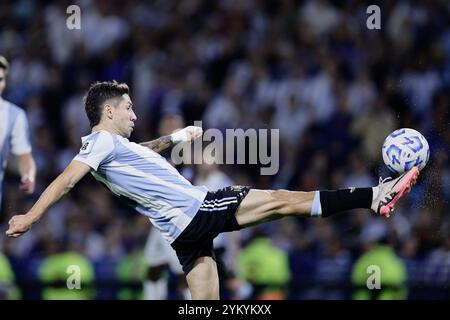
[144, 179]
[14, 134]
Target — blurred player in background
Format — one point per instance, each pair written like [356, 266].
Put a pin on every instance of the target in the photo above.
[159, 256]
[189, 217]
[14, 138]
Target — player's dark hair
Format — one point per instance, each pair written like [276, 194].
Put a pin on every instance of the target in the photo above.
[98, 94]
[4, 64]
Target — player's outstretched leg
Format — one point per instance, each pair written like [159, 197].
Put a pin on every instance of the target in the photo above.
[265, 205]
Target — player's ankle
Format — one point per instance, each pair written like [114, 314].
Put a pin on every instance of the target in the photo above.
[335, 201]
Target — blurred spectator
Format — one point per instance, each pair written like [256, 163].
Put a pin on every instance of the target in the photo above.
[379, 266]
[373, 127]
[59, 270]
[8, 289]
[266, 268]
[130, 272]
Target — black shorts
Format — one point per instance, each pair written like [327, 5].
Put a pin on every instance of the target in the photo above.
[216, 215]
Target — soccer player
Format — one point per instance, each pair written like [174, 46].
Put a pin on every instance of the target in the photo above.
[188, 216]
[14, 138]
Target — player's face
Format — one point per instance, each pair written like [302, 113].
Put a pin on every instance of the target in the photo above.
[124, 116]
[2, 80]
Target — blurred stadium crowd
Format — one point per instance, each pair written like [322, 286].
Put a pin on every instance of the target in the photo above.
[334, 88]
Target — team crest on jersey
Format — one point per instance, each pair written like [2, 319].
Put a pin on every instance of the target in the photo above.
[86, 147]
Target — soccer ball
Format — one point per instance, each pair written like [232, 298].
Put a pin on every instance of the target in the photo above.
[405, 148]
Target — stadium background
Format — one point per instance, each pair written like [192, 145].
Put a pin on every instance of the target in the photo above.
[311, 68]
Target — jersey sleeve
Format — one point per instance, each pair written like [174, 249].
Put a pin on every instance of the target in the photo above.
[20, 142]
[96, 149]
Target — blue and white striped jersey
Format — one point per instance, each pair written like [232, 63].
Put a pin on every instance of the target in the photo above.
[148, 182]
[14, 135]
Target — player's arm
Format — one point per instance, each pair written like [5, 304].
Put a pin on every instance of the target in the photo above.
[20, 224]
[187, 134]
[21, 148]
[27, 170]
[160, 144]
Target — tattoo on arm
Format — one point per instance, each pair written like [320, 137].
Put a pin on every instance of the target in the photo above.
[159, 144]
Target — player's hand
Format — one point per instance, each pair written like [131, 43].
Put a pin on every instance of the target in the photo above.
[194, 132]
[18, 225]
[27, 184]
[187, 134]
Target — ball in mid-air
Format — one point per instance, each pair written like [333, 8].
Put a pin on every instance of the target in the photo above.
[405, 148]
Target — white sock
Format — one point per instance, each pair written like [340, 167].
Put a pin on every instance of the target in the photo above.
[316, 208]
[155, 290]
